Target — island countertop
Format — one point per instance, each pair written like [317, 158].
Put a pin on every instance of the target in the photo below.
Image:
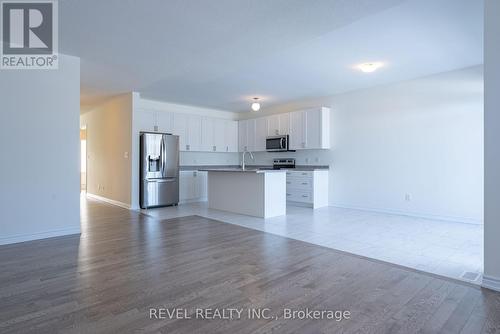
[239, 170]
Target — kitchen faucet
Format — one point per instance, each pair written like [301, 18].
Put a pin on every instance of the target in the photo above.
[243, 159]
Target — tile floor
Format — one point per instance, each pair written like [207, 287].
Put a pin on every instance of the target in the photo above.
[444, 248]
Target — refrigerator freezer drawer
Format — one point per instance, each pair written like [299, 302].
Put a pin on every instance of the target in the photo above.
[159, 192]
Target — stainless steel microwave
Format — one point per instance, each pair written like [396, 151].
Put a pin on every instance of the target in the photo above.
[277, 143]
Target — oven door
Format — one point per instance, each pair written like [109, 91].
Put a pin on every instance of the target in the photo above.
[276, 143]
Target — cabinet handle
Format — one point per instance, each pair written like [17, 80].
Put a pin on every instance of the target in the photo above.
[187, 147]
[305, 196]
[304, 183]
[227, 148]
[289, 194]
[289, 182]
[214, 148]
[304, 173]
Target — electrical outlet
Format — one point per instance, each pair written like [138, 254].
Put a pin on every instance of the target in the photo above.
[307, 160]
[407, 197]
[125, 155]
[316, 159]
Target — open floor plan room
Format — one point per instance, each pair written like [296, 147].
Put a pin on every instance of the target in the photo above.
[126, 264]
[250, 166]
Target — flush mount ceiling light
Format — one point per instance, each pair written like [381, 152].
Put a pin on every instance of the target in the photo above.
[369, 67]
[255, 105]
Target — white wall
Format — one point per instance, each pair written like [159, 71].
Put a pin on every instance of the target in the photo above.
[39, 145]
[109, 145]
[423, 137]
[492, 148]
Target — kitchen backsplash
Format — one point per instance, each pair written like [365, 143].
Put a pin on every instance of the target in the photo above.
[305, 157]
[208, 158]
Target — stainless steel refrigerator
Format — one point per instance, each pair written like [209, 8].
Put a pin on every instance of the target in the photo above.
[159, 169]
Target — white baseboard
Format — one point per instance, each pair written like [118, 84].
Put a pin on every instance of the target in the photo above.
[465, 220]
[40, 235]
[110, 201]
[491, 283]
[194, 200]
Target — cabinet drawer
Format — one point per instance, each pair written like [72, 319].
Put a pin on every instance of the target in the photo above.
[299, 196]
[300, 174]
[299, 183]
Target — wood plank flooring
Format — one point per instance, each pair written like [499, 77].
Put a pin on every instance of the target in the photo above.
[125, 263]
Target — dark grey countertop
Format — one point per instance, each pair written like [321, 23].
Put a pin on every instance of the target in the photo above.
[226, 167]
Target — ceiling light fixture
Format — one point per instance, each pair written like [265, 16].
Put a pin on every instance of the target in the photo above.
[369, 67]
[256, 105]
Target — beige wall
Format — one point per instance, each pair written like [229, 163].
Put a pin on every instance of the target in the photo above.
[109, 146]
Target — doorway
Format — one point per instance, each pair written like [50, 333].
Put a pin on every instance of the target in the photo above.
[83, 159]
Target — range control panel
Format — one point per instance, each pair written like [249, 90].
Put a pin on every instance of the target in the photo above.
[284, 163]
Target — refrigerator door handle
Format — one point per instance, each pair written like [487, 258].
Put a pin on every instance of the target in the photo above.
[162, 156]
[168, 179]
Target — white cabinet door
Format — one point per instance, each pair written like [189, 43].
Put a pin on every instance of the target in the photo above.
[242, 136]
[273, 125]
[207, 134]
[194, 133]
[192, 186]
[165, 121]
[313, 128]
[145, 120]
[278, 124]
[231, 136]
[297, 130]
[186, 185]
[180, 128]
[219, 136]
[251, 129]
[260, 134]
[284, 124]
[201, 185]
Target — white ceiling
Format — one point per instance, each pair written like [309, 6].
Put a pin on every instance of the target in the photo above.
[219, 54]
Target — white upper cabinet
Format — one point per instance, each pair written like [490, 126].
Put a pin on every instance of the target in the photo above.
[242, 136]
[194, 133]
[278, 124]
[207, 134]
[220, 144]
[297, 130]
[246, 134]
[231, 136]
[180, 128]
[251, 134]
[260, 134]
[219, 135]
[188, 128]
[145, 120]
[284, 128]
[310, 129]
[273, 125]
[165, 121]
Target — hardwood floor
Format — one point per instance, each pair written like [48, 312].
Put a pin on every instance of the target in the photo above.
[125, 263]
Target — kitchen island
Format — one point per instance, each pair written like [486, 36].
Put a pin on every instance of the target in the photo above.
[254, 192]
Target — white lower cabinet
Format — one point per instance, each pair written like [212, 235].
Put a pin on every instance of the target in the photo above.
[307, 188]
[192, 186]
